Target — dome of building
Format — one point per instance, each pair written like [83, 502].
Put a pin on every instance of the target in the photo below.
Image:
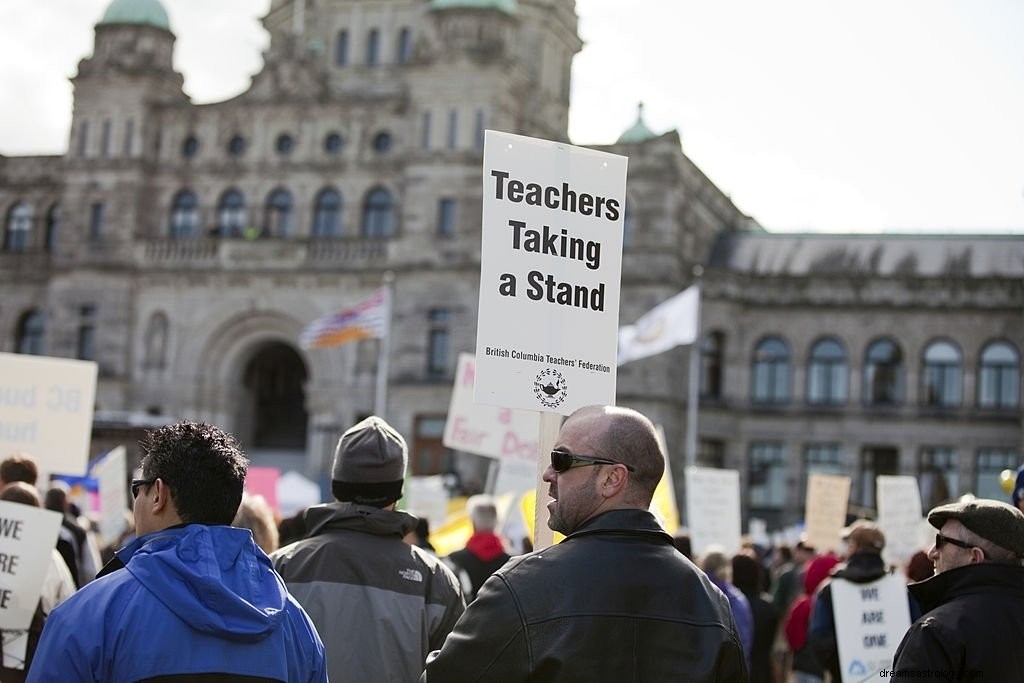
[146, 12]
[506, 6]
[638, 132]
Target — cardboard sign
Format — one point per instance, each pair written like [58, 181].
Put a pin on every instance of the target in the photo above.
[828, 496]
[870, 620]
[28, 536]
[550, 270]
[488, 430]
[713, 508]
[46, 407]
[899, 517]
[110, 470]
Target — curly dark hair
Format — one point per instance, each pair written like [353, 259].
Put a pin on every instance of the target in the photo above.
[19, 467]
[203, 466]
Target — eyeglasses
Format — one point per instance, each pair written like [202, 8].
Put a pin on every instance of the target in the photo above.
[139, 483]
[941, 540]
[563, 462]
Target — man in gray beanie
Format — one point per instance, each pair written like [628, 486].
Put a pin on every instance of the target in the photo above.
[379, 604]
[974, 605]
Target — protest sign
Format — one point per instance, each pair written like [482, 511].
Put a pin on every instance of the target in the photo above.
[550, 269]
[46, 407]
[713, 508]
[871, 620]
[262, 481]
[899, 517]
[487, 430]
[28, 536]
[111, 473]
[828, 496]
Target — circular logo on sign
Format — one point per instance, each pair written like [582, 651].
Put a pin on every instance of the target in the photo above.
[550, 388]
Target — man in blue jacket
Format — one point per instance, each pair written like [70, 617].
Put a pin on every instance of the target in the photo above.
[192, 598]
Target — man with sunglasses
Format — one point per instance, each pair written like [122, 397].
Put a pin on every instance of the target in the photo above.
[191, 598]
[974, 605]
[615, 600]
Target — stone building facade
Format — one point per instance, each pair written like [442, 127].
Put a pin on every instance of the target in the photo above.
[184, 248]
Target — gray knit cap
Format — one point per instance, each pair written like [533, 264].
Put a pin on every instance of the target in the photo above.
[369, 464]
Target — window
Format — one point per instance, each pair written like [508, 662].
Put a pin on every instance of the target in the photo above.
[453, 129]
[711, 349]
[990, 463]
[86, 346]
[875, 461]
[231, 214]
[96, 221]
[382, 142]
[425, 139]
[327, 213]
[827, 373]
[341, 49]
[941, 375]
[938, 478]
[277, 218]
[285, 144]
[190, 146]
[156, 341]
[404, 53]
[428, 453]
[52, 228]
[236, 146]
[883, 373]
[999, 376]
[711, 453]
[821, 458]
[83, 138]
[373, 48]
[767, 483]
[771, 372]
[184, 215]
[378, 214]
[30, 334]
[478, 129]
[438, 342]
[105, 139]
[129, 136]
[19, 226]
[333, 143]
[446, 217]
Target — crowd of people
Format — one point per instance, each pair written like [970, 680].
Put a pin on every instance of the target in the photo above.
[210, 585]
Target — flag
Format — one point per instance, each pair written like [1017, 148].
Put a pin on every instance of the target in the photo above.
[366, 320]
[670, 323]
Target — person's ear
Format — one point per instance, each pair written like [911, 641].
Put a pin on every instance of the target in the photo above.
[161, 495]
[613, 480]
[977, 555]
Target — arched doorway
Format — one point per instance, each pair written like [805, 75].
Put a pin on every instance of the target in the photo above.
[274, 380]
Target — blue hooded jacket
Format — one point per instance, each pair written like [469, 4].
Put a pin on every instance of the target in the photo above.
[190, 601]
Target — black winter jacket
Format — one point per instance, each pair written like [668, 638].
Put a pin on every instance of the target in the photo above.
[972, 626]
[614, 601]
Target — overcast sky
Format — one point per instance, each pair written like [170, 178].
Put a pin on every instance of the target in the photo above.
[894, 115]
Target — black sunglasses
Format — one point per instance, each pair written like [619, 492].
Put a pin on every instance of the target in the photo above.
[941, 540]
[139, 483]
[562, 461]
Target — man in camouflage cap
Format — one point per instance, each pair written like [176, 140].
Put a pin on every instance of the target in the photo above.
[974, 605]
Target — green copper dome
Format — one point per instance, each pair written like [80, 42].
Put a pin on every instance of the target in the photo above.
[506, 6]
[638, 132]
[146, 12]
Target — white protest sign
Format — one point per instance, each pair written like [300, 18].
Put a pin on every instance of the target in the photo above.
[46, 407]
[427, 497]
[899, 516]
[515, 476]
[871, 620]
[550, 270]
[828, 496]
[713, 508]
[488, 430]
[27, 537]
[110, 470]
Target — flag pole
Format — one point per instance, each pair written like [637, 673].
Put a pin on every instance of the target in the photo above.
[380, 402]
[693, 389]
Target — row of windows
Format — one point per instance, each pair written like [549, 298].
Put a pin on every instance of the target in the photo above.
[828, 373]
[372, 47]
[937, 471]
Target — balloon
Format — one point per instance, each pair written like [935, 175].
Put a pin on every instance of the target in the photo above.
[1007, 479]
